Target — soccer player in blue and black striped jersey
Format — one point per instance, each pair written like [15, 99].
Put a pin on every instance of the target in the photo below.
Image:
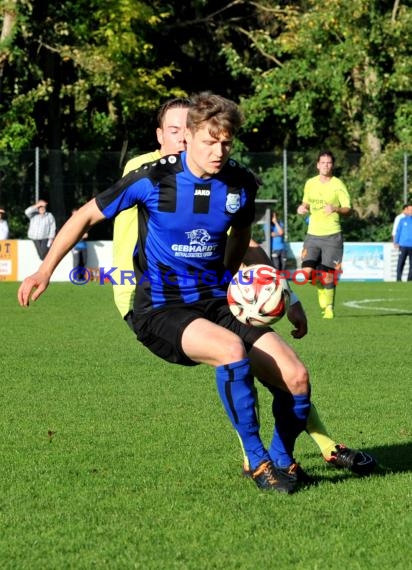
[183, 262]
[170, 132]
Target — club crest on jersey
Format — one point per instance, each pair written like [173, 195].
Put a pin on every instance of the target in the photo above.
[198, 237]
[232, 203]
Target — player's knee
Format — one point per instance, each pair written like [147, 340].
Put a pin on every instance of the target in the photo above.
[298, 379]
[233, 351]
[307, 271]
[318, 276]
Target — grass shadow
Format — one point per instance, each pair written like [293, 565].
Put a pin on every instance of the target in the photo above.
[394, 458]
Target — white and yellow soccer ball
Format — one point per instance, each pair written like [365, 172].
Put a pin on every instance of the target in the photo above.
[258, 295]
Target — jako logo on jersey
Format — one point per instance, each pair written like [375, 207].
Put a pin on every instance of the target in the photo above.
[198, 237]
[232, 203]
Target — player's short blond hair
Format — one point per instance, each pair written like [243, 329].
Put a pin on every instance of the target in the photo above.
[222, 115]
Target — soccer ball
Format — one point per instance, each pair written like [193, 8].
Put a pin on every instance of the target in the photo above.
[257, 295]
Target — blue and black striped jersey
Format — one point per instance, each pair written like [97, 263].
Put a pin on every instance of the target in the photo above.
[182, 227]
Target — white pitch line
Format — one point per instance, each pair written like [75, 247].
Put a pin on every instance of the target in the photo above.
[360, 305]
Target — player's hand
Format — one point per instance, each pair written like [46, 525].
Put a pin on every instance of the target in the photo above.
[297, 317]
[329, 209]
[31, 288]
[302, 210]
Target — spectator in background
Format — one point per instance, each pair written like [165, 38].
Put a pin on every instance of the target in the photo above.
[277, 242]
[403, 240]
[42, 227]
[4, 226]
[80, 254]
[398, 219]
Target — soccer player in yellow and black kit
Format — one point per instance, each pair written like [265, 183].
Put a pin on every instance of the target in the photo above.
[325, 199]
[171, 122]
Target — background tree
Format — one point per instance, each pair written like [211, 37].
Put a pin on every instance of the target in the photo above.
[334, 74]
[73, 74]
[89, 76]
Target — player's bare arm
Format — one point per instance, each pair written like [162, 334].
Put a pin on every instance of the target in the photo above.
[34, 285]
[303, 209]
[342, 211]
[236, 247]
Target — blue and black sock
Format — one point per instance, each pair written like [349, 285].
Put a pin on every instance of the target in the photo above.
[235, 387]
[291, 414]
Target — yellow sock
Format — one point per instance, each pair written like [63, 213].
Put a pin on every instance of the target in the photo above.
[321, 295]
[329, 296]
[246, 464]
[318, 433]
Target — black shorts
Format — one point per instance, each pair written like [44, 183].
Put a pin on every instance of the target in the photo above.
[161, 330]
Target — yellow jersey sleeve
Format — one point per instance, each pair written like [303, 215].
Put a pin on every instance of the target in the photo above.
[124, 243]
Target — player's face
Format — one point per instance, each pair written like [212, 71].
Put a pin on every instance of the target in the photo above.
[207, 154]
[325, 166]
[171, 136]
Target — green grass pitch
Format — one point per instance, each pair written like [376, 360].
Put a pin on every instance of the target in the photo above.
[112, 459]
